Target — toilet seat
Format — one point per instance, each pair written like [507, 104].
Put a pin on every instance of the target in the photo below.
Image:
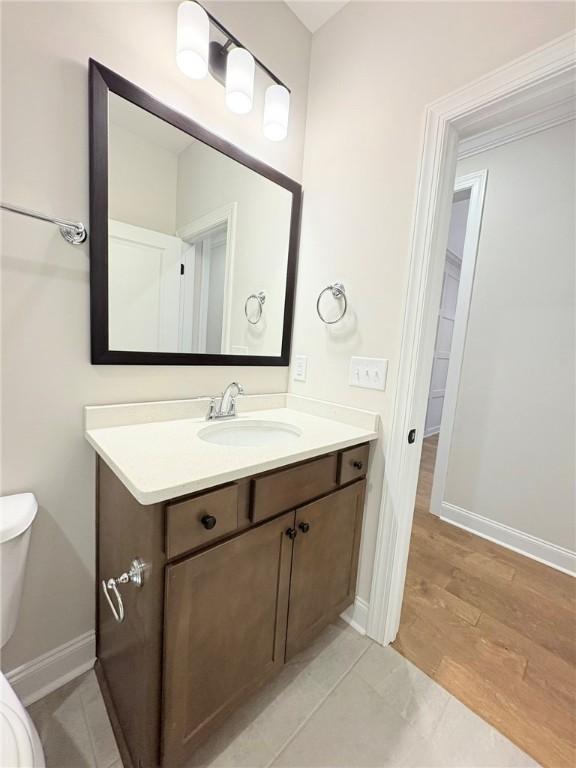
[15, 743]
[20, 745]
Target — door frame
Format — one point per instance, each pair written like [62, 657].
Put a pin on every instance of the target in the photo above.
[453, 269]
[524, 86]
[476, 183]
[228, 215]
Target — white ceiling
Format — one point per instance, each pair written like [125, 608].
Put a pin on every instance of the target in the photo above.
[314, 13]
[143, 123]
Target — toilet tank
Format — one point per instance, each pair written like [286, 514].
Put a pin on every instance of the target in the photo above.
[17, 514]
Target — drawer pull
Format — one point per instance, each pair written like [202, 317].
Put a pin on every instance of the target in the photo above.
[291, 533]
[357, 464]
[304, 527]
[209, 522]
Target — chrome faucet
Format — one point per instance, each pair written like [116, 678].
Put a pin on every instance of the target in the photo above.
[226, 408]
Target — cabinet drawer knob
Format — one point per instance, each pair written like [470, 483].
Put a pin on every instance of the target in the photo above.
[291, 533]
[208, 521]
[304, 527]
[357, 464]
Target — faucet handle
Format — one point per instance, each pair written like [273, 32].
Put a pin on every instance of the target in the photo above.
[211, 409]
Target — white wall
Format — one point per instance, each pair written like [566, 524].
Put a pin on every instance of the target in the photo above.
[512, 456]
[261, 244]
[47, 376]
[142, 181]
[374, 68]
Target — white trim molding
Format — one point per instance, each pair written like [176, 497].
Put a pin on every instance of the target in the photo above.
[548, 117]
[522, 87]
[357, 615]
[41, 676]
[227, 214]
[511, 538]
[476, 183]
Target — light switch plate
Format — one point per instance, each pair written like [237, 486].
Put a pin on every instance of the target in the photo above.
[368, 372]
[300, 367]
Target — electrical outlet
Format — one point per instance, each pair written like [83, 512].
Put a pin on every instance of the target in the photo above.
[300, 368]
[368, 372]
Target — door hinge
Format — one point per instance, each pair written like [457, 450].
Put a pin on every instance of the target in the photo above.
[411, 436]
[181, 269]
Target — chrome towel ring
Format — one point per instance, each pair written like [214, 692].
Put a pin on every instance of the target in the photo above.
[260, 297]
[338, 292]
[134, 576]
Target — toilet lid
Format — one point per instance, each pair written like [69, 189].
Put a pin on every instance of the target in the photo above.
[17, 513]
[16, 749]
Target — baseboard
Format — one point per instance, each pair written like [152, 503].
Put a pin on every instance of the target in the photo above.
[41, 676]
[550, 554]
[357, 615]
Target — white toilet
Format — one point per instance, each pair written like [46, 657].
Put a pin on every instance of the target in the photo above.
[19, 741]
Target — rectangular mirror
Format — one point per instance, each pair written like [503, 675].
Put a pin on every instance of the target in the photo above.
[193, 243]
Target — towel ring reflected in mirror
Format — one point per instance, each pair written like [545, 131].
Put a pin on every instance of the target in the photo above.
[338, 292]
[260, 298]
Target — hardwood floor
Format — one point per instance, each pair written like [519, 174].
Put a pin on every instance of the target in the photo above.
[495, 628]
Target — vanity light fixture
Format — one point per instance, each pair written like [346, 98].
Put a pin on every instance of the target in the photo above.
[240, 69]
[276, 108]
[192, 40]
[203, 45]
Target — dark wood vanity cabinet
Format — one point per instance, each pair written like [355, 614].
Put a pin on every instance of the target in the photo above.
[324, 563]
[225, 630]
[222, 605]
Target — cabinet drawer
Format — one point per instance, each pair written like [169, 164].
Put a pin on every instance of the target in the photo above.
[188, 523]
[353, 464]
[288, 488]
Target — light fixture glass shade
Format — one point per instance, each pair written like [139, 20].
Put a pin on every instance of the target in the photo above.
[192, 39]
[239, 80]
[276, 109]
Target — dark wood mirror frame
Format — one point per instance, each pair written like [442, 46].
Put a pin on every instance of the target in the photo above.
[102, 82]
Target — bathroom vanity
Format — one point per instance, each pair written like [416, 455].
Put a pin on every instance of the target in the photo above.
[237, 574]
[224, 546]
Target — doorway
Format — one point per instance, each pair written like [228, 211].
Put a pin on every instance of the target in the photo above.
[492, 600]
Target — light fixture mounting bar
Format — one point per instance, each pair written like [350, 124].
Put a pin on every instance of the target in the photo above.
[232, 40]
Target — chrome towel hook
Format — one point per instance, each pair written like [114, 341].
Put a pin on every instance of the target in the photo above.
[260, 297]
[134, 576]
[338, 292]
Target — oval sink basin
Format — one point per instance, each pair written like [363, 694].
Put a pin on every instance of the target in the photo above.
[250, 433]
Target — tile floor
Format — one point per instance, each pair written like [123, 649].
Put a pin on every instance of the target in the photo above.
[343, 702]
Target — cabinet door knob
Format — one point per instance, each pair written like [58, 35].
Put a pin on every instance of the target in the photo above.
[291, 533]
[304, 527]
[208, 521]
[357, 464]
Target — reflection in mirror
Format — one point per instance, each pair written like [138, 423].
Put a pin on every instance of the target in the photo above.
[192, 234]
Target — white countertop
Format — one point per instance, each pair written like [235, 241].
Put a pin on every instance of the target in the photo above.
[158, 454]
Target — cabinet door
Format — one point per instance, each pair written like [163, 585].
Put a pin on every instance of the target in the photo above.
[324, 563]
[225, 631]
